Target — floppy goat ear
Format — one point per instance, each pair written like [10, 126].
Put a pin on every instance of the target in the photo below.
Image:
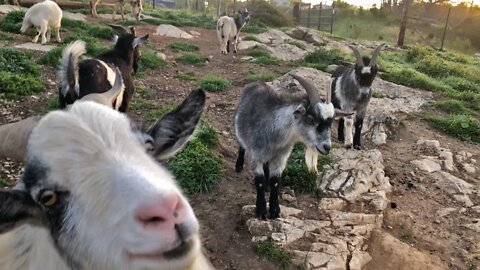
[17, 208]
[171, 132]
[299, 110]
[139, 40]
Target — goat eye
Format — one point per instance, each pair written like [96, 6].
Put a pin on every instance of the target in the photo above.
[48, 198]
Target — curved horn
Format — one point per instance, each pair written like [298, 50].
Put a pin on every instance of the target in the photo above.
[375, 54]
[329, 91]
[15, 138]
[311, 90]
[120, 29]
[109, 97]
[132, 30]
[358, 56]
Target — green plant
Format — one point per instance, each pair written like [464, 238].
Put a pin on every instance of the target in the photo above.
[52, 104]
[273, 253]
[322, 58]
[5, 36]
[378, 95]
[410, 77]
[187, 76]
[207, 135]
[297, 43]
[195, 167]
[195, 59]
[19, 62]
[183, 46]
[250, 37]
[451, 106]
[213, 83]
[6, 183]
[12, 22]
[150, 60]
[264, 76]
[180, 18]
[100, 31]
[462, 126]
[296, 174]
[253, 29]
[264, 13]
[15, 86]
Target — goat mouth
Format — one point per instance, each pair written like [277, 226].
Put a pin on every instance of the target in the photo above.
[181, 250]
[323, 152]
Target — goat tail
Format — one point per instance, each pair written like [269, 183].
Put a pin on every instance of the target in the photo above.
[68, 68]
[311, 158]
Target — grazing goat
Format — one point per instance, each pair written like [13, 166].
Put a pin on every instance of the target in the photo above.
[351, 91]
[229, 28]
[45, 16]
[97, 75]
[269, 123]
[15, 2]
[137, 7]
[15, 135]
[92, 198]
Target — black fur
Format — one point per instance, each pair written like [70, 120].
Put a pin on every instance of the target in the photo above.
[240, 159]
[261, 204]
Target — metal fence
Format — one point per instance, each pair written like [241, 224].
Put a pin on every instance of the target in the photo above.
[315, 16]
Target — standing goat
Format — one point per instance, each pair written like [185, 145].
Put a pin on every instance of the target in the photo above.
[137, 7]
[97, 75]
[351, 91]
[269, 123]
[228, 28]
[45, 16]
[92, 198]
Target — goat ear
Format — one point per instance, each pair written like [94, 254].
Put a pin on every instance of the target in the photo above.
[340, 113]
[172, 131]
[115, 38]
[139, 40]
[17, 208]
[299, 111]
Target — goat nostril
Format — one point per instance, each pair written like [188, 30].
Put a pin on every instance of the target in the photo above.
[162, 210]
[153, 220]
[327, 148]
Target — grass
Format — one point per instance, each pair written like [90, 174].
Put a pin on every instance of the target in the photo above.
[12, 22]
[378, 95]
[150, 60]
[192, 58]
[263, 76]
[250, 37]
[213, 83]
[183, 47]
[263, 57]
[19, 76]
[297, 43]
[52, 104]
[273, 253]
[464, 127]
[181, 18]
[254, 29]
[5, 36]
[296, 174]
[196, 167]
[322, 58]
[187, 76]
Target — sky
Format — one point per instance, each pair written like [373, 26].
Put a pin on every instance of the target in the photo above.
[369, 3]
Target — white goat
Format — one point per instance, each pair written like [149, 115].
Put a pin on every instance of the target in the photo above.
[44, 16]
[92, 198]
[229, 28]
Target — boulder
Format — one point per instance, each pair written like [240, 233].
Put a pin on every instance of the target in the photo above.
[427, 165]
[168, 30]
[35, 47]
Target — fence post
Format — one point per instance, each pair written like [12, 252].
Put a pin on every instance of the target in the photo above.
[319, 16]
[403, 23]
[218, 8]
[309, 9]
[445, 30]
[331, 21]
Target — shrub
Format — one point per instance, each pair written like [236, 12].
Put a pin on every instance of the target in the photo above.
[296, 174]
[322, 57]
[12, 22]
[273, 253]
[183, 46]
[195, 167]
[462, 126]
[265, 76]
[265, 14]
[213, 83]
[195, 59]
[418, 52]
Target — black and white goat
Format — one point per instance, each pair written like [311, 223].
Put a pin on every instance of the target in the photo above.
[228, 28]
[268, 124]
[92, 198]
[98, 74]
[351, 91]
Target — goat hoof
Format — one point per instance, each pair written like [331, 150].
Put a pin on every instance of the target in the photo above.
[238, 169]
[274, 214]
[348, 146]
[358, 147]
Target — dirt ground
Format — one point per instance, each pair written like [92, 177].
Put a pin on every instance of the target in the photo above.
[226, 238]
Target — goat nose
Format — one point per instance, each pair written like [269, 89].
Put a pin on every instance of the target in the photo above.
[166, 211]
[327, 148]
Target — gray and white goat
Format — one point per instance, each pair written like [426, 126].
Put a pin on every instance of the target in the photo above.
[351, 91]
[229, 28]
[268, 124]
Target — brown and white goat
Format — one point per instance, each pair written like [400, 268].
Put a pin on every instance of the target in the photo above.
[137, 7]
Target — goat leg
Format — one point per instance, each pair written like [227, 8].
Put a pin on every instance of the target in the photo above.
[240, 159]
[228, 46]
[341, 134]
[266, 172]
[261, 204]
[274, 210]
[358, 133]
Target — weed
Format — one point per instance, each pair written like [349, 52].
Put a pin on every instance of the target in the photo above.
[273, 253]
[264, 76]
[296, 174]
[213, 83]
[379, 95]
[406, 237]
[100, 31]
[187, 76]
[5, 36]
[195, 59]
[183, 46]
[259, 52]
[144, 93]
[19, 62]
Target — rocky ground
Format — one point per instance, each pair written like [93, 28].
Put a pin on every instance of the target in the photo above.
[410, 200]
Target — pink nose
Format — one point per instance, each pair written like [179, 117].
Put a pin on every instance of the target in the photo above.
[165, 211]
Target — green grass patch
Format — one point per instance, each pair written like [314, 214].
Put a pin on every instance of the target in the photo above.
[297, 43]
[192, 58]
[143, 92]
[451, 106]
[5, 36]
[378, 95]
[195, 167]
[213, 83]
[52, 104]
[263, 76]
[183, 47]
[19, 76]
[181, 18]
[296, 174]
[100, 31]
[464, 127]
[187, 76]
[207, 135]
[322, 58]
[263, 57]
[273, 253]
[6, 183]
[250, 38]
[12, 22]
[150, 60]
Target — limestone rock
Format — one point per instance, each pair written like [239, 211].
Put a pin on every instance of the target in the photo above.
[359, 260]
[332, 204]
[463, 198]
[162, 56]
[452, 184]
[447, 158]
[4, 9]
[469, 168]
[168, 30]
[74, 16]
[247, 44]
[331, 68]
[273, 36]
[35, 47]
[194, 33]
[427, 165]
[433, 145]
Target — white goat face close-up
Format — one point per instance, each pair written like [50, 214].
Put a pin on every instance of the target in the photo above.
[106, 203]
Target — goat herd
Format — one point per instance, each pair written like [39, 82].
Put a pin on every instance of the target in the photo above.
[93, 194]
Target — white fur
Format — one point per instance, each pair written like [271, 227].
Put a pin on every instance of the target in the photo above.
[311, 159]
[227, 28]
[72, 53]
[44, 16]
[365, 90]
[108, 174]
[338, 93]
[366, 70]
[326, 110]
[348, 131]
